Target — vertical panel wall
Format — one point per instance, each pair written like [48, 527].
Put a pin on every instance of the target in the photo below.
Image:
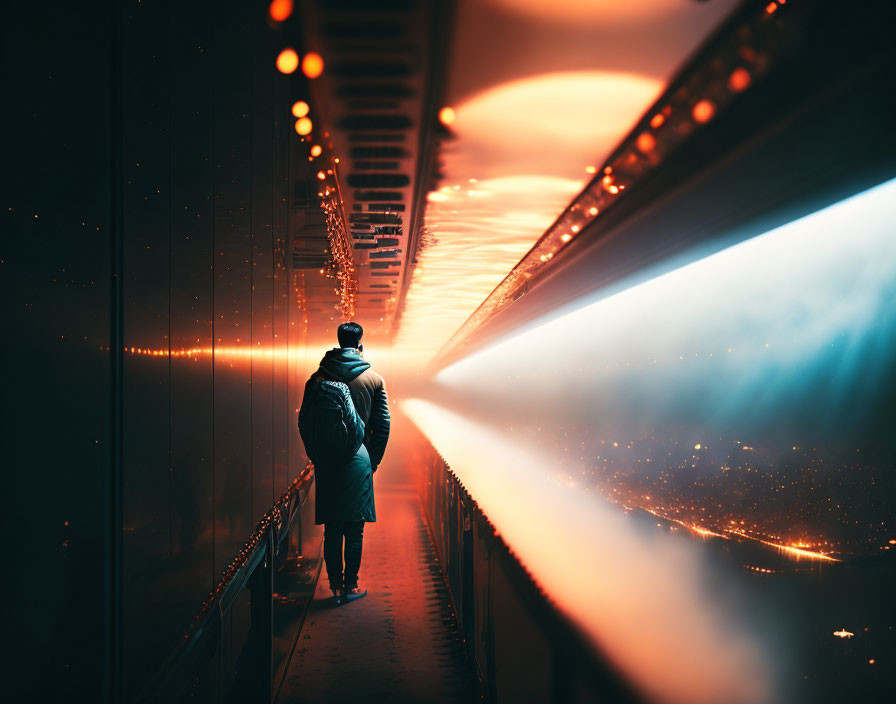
[178, 172]
[263, 264]
[191, 394]
[207, 446]
[231, 158]
[286, 380]
[55, 262]
[196, 137]
[146, 221]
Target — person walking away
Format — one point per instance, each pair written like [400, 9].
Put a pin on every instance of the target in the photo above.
[344, 500]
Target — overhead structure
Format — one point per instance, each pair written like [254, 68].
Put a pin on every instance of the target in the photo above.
[376, 79]
[730, 149]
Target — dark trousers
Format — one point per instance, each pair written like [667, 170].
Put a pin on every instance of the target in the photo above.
[352, 532]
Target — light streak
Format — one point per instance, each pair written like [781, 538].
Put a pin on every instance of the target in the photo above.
[636, 592]
[789, 550]
[705, 532]
[305, 355]
[843, 633]
[693, 527]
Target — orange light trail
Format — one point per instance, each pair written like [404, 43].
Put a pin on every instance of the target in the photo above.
[242, 352]
[789, 550]
[693, 527]
[705, 532]
[303, 354]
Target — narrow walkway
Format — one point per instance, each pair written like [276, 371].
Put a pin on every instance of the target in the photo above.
[397, 644]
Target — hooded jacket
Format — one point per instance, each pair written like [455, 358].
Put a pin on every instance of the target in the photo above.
[346, 493]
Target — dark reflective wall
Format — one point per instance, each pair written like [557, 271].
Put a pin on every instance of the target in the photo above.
[208, 392]
[55, 259]
[204, 270]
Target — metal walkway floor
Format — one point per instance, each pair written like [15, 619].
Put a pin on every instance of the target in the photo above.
[400, 642]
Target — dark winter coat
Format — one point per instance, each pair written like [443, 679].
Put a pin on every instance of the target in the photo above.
[345, 493]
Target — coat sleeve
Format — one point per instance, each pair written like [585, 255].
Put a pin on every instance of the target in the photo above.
[379, 425]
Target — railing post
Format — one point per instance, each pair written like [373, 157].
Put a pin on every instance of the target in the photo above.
[262, 611]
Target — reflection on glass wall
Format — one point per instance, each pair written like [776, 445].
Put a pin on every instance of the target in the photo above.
[745, 401]
[206, 443]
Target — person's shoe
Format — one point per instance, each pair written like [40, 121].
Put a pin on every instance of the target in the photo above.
[353, 593]
[337, 596]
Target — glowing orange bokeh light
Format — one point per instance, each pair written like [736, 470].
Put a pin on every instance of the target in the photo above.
[287, 60]
[703, 111]
[657, 120]
[312, 65]
[645, 142]
[300, 108]
[447, 116]
[303, 126]
[739, 79]
[280, 10]
[316, 150]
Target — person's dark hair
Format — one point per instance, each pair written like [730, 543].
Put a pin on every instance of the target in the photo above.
[349, 334]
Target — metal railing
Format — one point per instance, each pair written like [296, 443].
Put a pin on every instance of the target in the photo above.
[523, 648]
[253, 568]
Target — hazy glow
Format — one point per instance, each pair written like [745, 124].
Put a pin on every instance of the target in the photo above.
[478, 235]
[519, 157]
[590, 11]
[784, 326]
[788, 335]
[552, 124]
[645, 602]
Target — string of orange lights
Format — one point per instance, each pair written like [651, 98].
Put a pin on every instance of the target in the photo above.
[342, 265]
